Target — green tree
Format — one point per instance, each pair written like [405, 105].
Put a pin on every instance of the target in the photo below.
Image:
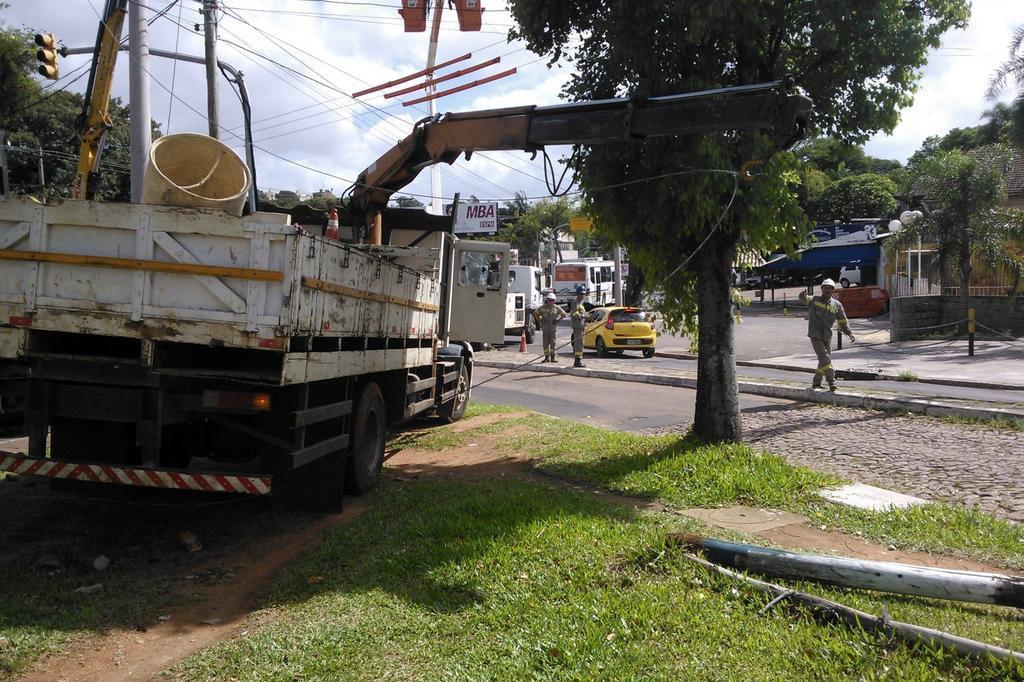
[962, 194]
[45, 123]
[534, 227]
[857, 196]
[838, 159]
[17, 61]
[1012, 68]
[859, 61]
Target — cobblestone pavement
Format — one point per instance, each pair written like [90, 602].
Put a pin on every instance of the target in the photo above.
[972, 465]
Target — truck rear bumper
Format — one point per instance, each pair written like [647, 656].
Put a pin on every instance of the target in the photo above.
[144, 477]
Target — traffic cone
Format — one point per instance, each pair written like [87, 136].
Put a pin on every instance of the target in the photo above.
[332, 224]
[522, 341]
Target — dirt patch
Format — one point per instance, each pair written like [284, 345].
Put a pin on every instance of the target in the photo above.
[218, 612]
[479, 458]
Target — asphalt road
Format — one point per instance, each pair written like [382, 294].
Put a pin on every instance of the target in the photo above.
[618, 405]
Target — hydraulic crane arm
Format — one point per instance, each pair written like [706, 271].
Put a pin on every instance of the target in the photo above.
[765, 106]
[94, 121]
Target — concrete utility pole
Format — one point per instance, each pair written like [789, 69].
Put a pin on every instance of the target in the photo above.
[435, 170]
[140, 130]
[617, 282]
[210, 36]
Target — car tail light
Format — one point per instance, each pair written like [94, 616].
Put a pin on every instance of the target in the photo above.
[609, 324]
[237, 400]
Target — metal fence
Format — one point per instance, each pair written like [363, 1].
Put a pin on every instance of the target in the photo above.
[901, 286]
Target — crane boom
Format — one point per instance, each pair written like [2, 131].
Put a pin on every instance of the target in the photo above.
[765, 106]
[94, 121]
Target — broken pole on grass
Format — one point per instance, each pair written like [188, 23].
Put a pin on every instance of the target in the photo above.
[836, 612]
[879, 576]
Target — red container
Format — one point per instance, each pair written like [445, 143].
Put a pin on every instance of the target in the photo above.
[863, 301]
[414, 14]
[470, 14]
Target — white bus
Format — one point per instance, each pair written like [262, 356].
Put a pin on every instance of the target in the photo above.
[597, 275]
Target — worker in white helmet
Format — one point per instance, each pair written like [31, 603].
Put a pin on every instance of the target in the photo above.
[548, 316]
[822, 313]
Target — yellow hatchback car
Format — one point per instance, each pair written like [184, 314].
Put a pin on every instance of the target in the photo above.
[615, 328]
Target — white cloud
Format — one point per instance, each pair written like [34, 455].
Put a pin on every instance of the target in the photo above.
[952, 92]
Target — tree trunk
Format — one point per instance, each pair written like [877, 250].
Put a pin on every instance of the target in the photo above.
[717, 414]
[634, 286]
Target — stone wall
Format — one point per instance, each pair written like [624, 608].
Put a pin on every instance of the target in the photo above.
[910, 313]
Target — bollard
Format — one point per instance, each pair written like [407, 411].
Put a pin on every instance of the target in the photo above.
[970, 332]
[785, 309]
[839, 340]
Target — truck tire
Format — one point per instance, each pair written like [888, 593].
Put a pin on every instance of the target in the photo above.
[366, 454]
[528, 330]
[455, 409]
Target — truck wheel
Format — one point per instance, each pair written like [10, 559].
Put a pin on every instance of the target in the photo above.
[455, 409]
[845, 282]
[528, 330]
[602, 350]
[366, 456]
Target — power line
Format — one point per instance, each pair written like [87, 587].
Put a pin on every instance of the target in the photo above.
[377, 111]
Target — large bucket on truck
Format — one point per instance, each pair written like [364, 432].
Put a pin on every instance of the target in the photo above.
[195, 171]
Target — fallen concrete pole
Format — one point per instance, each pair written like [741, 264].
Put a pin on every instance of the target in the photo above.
[879, 576]
[834, 611]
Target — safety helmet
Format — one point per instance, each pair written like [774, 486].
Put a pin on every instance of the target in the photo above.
[549, 297]
[828, 282]
[581, 289]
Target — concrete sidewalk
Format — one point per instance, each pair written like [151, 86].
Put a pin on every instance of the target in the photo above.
[997, 364]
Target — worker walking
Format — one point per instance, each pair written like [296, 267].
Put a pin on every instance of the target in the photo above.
[578, 315]
[548, 316]
[823, 312]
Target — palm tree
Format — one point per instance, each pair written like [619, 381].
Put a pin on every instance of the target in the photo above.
[1012, 68]
[962, 215]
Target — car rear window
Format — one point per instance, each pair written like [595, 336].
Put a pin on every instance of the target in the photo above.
[627, 316]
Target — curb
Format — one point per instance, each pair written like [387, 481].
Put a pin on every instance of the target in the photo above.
[932, 408]
[860, 374]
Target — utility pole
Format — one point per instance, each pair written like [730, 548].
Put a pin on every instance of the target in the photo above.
[435, 170]
[617, 285]
[210, 36]
[42, 175]
[5, 187]
[140, 130]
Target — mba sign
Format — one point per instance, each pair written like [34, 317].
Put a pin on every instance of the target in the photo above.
[477, 218]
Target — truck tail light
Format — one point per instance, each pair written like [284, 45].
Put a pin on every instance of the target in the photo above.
[237, 400]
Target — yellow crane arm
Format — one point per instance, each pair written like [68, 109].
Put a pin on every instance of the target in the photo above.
[95, 119]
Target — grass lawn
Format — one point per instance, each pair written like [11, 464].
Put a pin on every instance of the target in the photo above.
[518, 580]
[523, 580]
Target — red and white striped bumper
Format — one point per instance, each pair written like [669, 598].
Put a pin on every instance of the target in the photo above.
[137, 476]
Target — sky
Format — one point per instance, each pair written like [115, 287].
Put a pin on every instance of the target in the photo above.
[302, 59]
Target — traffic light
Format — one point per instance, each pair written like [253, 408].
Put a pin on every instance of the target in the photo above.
[47, 55]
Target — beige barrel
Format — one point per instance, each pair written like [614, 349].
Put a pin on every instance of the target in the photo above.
[195, 171]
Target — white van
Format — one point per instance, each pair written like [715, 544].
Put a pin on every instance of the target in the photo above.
[849, 274]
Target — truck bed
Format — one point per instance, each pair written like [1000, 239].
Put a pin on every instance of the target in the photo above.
[200, 293]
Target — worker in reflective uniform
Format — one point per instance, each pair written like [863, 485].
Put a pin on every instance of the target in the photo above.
[823, 312]
[548, 316]
[578, 314]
